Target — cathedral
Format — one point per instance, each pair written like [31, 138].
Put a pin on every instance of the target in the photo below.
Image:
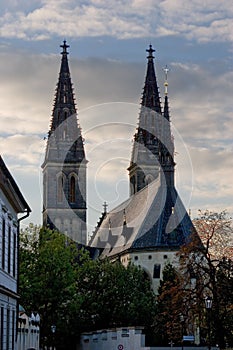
[152, 224]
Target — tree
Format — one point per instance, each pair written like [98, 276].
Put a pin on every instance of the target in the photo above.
[207, 270]
[48, 268]
[75, 293]
[28, 255]
[111, 295]
[167, 322]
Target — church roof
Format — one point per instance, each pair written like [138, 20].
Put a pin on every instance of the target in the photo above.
[153, 218]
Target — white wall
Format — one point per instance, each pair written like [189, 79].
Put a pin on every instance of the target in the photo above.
[148, 259]
[8, 273]
[123, 339]
[28, 333]
[120, 339]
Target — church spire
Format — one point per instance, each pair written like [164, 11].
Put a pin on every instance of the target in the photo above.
[150, 96]
[64, 124]
[167, 143]
[166, 107]
[64, 96]
[64, 167]
[144, 166]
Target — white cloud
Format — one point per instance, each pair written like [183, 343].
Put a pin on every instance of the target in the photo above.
[124, 19]
[22, 150]
[201, 102]
[200, 105]
[26, 92]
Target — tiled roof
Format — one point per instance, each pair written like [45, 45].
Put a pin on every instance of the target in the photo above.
[153, 218]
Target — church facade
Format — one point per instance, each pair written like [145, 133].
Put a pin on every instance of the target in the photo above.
[150, 227]
[64, 167]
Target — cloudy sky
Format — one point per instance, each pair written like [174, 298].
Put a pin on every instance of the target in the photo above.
[107, 60]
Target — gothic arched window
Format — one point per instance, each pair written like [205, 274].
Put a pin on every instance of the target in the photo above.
[148, 179]
[64, 125]
[60, 188]
[133, 184]
[72, 189]
[64, 129]
[168, 159]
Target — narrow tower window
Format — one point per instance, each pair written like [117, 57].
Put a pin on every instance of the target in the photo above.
[60, 189]
[133, 184]
[72, 189]
[64, 125]
[9, 249]
[64, 132]
[14, 254]
[3, 242]
[156, 272]
[58, 117]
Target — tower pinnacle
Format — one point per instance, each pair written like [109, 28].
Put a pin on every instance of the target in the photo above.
[166, 70]
[64, 47]
[150, 95]
[150, 51]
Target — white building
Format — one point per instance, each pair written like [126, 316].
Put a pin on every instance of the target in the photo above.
[28, 330]
[12, 203]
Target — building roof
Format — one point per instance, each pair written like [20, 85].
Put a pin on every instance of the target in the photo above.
[11, 190]
[153, 218]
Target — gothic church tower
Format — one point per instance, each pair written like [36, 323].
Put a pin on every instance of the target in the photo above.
[64, 167]
[153, 146]
[149, 227]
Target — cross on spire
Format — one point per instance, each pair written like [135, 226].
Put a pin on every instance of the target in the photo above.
[150, 51]
[105, 205]
[64, 47]
[166, 70]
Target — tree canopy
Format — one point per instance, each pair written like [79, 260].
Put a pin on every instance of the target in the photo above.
[68, 289]
[60, 282]
[205, 270]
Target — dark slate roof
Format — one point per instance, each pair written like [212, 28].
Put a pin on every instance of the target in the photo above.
[11, 190]
[153, 218]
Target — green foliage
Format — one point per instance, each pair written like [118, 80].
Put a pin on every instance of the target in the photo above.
[112, 295]
[48, 269]
[167, 325]
[70, 290]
